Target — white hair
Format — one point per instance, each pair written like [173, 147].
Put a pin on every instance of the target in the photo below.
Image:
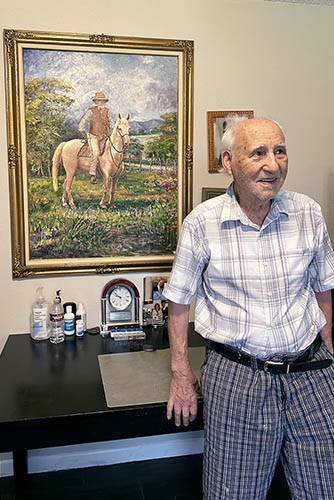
[227, 142]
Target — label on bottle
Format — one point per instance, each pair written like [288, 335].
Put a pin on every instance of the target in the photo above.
[79, 328]
[69, 326]
[55, 318]
[40, 321]
[40, 314]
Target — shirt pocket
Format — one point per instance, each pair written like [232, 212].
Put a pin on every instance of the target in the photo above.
[294, 268]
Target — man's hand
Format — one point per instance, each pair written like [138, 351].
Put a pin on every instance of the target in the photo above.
[325, 303]
[183, 398]
[182, 394]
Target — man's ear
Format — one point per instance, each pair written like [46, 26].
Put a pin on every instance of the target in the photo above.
[226, 161]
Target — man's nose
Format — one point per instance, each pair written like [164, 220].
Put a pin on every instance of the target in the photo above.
[271, 163]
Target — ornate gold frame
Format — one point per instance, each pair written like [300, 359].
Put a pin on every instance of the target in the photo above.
[14, 42]
[214, 167]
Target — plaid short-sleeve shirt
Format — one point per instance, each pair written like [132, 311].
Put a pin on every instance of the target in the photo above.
[255, 286]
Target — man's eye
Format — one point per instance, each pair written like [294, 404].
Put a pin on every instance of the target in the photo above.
[280, 151]
[258, 152]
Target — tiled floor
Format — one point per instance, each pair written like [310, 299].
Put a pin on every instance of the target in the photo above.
[164, 479]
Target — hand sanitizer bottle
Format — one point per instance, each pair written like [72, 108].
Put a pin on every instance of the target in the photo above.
[39, 324]
[57, 320]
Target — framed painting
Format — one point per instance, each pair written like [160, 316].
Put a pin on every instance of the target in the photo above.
[208, 192]
[217, 123]
[99, 151]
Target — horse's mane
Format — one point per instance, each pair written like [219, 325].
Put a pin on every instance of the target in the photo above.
[115, 128]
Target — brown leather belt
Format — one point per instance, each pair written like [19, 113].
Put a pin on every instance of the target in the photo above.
[301, 364]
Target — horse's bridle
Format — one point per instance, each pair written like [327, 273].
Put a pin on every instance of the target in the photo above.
[117, 151]
[122, 137]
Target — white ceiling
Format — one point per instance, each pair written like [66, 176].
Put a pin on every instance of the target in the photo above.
[319, 2]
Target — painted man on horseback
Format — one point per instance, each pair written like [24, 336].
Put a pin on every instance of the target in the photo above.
[110, 162]
[98, 122]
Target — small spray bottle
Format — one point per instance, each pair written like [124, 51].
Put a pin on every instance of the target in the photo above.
[81, 320]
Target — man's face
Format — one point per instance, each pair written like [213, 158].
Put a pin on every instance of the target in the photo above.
[100, 104]
[259, 161]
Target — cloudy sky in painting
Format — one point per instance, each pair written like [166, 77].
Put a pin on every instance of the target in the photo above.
[143, 85]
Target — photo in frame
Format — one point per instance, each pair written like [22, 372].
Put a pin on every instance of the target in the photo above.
[129, 220]
[155, 304]
[217, 122]
[208, 192]
[154, 287]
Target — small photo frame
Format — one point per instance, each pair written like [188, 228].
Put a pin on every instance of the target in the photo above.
[147, 314]
[208, 192]
[217, 124]
[153, 288]
[155, 313]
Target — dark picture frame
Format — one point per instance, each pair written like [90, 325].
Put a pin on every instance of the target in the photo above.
[217, 122]
[209, 192]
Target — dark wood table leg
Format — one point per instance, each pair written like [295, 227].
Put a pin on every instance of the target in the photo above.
[20, 463]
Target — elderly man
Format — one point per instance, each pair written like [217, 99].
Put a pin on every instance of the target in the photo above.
[98, 121]
[262, 265]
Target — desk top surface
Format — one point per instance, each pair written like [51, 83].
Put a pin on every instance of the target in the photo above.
[40, 380]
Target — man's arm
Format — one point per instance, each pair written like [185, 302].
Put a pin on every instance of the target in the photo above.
[325, 303]
[84, 122]
[182, 395]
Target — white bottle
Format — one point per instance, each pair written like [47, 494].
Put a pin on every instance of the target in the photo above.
[57, 320]
[69, 321]
[40, 326]
[81, 315]
[79, 328]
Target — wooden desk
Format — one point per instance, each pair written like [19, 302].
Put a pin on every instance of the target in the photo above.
[52, 395]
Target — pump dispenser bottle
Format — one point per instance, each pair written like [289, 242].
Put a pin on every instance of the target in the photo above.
[39, 324]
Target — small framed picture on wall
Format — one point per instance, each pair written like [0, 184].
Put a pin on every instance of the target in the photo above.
[217, 124]
[208, 192]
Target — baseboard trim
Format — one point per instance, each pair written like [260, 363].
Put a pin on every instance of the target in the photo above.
[107, 453]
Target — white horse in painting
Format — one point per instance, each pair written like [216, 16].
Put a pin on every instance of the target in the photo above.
[110, 162]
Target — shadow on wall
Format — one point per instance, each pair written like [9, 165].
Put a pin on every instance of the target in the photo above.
[330, 205]
[330, 220]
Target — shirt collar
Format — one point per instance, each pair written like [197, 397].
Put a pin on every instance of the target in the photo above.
[232, 211]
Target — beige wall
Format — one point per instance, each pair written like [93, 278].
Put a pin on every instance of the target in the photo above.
[275, 58]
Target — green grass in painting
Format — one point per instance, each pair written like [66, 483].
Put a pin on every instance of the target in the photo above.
[142, 222]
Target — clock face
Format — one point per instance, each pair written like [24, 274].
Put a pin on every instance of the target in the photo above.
[120, 297]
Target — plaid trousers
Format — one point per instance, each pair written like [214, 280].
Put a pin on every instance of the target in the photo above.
[252, 417]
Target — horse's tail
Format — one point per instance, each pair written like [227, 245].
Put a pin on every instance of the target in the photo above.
[55, 164]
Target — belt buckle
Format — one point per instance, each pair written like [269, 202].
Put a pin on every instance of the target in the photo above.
[270, 362]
